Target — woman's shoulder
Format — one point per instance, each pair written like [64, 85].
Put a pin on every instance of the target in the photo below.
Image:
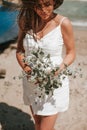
[65, 21]
[62, 20]
[66, 25]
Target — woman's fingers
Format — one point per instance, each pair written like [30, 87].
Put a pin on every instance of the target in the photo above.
[27, 69]
[56, 73]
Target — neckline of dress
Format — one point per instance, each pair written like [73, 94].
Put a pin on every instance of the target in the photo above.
[47, 33]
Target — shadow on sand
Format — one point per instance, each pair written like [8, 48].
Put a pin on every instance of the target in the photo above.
[6, 45]
[12, 118]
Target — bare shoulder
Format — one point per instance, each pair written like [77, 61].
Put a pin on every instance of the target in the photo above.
[67, 31]
[66, 24]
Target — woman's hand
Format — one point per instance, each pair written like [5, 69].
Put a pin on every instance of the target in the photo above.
[27, 70]
[56, 73]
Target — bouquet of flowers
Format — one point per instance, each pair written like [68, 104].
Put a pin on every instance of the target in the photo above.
[43, 72]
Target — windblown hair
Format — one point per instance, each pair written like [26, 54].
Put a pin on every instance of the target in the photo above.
[28, 18]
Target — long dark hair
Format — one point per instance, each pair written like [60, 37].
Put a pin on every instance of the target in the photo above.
[28, 18]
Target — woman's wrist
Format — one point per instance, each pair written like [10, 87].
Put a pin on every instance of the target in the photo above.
[24, 66]
[62, 67]
[65, 65]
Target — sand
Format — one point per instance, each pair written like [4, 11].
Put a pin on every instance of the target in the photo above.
[15, 115]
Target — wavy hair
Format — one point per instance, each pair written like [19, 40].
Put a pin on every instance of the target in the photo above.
[28, 18]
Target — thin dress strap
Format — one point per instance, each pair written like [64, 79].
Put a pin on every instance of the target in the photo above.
[62, 20]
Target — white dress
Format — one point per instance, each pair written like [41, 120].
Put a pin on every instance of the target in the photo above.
[51, 43]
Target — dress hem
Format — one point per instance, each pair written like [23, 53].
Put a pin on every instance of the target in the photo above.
[49, 114]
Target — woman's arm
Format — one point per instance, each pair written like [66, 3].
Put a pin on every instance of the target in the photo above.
[20, 52]
[68, 38]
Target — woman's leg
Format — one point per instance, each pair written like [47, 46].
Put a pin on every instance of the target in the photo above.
[37, 119]
[48, 122]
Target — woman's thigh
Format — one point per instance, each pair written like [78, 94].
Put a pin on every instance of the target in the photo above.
[37, 118]
[48, 122]
[44, 122]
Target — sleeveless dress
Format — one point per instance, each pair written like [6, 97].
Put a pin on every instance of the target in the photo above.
[51, 43]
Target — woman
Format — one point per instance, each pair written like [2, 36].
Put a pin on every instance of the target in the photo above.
[40, 26]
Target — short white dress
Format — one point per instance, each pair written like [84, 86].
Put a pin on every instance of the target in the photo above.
[51, 43]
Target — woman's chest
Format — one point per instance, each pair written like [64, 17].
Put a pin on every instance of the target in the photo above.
[50, 41]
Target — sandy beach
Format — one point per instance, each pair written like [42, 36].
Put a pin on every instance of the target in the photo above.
[15, 115]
